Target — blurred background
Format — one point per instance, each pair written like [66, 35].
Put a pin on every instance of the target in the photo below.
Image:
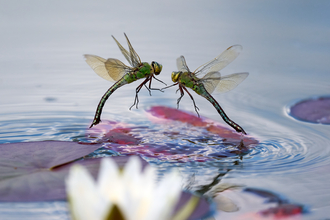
[42, 44]
[49, 92]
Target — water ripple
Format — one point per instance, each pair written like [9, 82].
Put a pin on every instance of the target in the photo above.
[36, 126]
[281, 149]
[284, 155]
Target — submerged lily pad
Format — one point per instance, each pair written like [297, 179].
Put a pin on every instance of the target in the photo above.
[163, 112]
[312, 110]
[175, 136]
[35, 171]
[114, 132]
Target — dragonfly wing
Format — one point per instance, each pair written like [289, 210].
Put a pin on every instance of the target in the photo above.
[220, 61]
[98, 65]
[210, 81]
[181, 64]
[124, 51]
[103, 67]
[230, 82]
[135, 59]
[116, 69]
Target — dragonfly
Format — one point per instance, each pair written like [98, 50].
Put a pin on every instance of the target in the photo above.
[207, 79]
[115, 71]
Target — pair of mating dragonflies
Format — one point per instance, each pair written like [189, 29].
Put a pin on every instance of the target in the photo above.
[205, 80]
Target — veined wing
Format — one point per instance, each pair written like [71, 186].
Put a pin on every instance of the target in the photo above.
[214, 83]
[220, 61]
[110, 69]
[210, 81]
[181, 64]
[131, 56]
[134, 56]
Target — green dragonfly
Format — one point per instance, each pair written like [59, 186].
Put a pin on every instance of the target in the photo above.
[206, 79]
[115, 71]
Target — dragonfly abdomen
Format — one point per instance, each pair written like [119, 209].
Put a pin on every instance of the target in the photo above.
[118, 84]
[222, 113]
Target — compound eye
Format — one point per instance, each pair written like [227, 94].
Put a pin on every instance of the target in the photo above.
[175, 76]
[156, 67]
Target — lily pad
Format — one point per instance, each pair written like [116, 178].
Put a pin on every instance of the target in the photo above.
[114, 132]
[35, 171]
[315, 110]
[163, 112]
[174, 136]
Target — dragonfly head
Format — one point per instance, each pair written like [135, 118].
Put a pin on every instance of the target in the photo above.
[175, 76]
[156, 67]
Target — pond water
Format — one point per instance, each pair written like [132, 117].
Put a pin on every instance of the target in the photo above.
[48, 92]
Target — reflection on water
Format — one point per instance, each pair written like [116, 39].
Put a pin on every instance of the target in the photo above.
[285, 154]
[50, 93]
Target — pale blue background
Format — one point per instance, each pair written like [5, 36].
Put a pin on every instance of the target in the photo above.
[286, 50]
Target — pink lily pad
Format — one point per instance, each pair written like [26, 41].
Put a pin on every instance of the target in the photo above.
[163, 112]
[114, 132]
[176, 136]
[312, 110]
[35, 171]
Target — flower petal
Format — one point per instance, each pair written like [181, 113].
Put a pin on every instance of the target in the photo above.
[84, 199]
[167, 195]
[109, 180]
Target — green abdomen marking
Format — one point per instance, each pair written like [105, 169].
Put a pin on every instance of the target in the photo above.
[200, 89]
[97, 117]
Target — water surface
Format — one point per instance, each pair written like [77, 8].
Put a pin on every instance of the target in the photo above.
[50, 93]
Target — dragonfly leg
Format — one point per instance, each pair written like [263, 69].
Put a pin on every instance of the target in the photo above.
[152, 88]
[169, 86]
[158, 80]
[149, 89]
[136, 100]
[196, 108]
[182, 94]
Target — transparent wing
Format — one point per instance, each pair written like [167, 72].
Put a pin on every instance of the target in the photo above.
[134, 56]
[110, 69]
[131, 56]
[181, 64]
[224, 83]
[123, 51]
[116, 68]
[210, 81]
[220, 61]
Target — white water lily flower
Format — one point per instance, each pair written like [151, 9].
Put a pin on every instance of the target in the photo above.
[135, 193]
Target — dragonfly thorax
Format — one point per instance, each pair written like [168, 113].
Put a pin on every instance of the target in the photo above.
[157, 68]
[175, 76]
